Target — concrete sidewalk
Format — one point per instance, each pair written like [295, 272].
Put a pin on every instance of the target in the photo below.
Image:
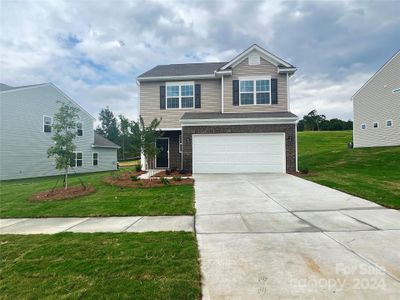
[96, 224]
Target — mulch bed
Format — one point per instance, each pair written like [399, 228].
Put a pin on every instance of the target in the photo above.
[61, 194]
[172, 174]
[124, 180]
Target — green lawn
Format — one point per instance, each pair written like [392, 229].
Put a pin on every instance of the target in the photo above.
[106, 201]
[100, 266]
[370, 173]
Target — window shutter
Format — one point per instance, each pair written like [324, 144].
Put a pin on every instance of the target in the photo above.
[162, 97]
[235, 92]
[197, 96]
[274, 91]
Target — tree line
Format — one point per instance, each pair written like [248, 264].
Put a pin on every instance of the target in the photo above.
[316, 122]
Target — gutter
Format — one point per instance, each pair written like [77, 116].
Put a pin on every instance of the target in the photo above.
[162, 78]
[238, 121]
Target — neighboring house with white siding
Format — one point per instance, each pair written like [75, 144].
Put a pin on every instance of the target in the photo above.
[376, 108]
[26, 116]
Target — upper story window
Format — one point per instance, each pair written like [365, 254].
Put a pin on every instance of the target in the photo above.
[79, 128]
[180, 95]
[375, 125]
[255, 91]
[363, 126]
[47, 123]
[389, 123]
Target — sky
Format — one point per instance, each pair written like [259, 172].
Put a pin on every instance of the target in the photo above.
[94, 49]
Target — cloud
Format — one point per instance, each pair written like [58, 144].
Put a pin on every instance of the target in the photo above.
[94, 50]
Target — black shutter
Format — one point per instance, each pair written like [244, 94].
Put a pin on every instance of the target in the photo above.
[162, 97]
[235, 92]
[274, 91]
[197, 96]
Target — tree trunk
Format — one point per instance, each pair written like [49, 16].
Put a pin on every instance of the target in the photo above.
[66, 178]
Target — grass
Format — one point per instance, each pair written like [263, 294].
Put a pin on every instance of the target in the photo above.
[106, 201]
[370, 173]
[100, 266]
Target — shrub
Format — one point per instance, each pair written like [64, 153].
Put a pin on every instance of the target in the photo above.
[138, 168]
[134, 178]
[177, 178]
[303, 170]
[115, 175]
[168, 172]
[183, 171]
[164, 180]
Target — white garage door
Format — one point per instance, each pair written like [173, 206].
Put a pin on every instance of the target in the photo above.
[239, 153]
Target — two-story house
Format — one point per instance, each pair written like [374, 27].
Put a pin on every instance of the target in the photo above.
[223, 117]
[26, 117]
[376, 107]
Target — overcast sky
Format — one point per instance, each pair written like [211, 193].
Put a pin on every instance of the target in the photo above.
[94, 49]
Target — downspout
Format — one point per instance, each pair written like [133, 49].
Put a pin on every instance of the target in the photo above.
[288, 91]
[142, 158]
[222, 93]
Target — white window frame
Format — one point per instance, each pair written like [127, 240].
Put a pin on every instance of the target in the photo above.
[180, 147]
[51, 124]
[391, 123]
[93, 153]
[254, 79]
[76, 160]
[79, 122]
[363, 125]
[179, 84]
[377, 125]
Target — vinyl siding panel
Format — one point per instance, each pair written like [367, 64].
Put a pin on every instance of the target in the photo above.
[150, 102]
[375, 102]
[265, 68]
[23, 144]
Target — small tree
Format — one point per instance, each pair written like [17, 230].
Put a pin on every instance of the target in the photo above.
[64, 128]
[144, 139]
[124, 128]
[313, 120]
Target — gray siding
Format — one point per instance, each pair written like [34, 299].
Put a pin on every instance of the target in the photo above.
[265, 68]
[375, 102]
[150, 102]
[23, 144]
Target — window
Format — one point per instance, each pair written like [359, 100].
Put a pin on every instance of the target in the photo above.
[180, 95]
[77, 160]
[95, 157]
[395, 91]
[363, 126]
[376, 125]
[254, 91]
[389, 123]
[180, 144]
[79, 129]
[47, 123]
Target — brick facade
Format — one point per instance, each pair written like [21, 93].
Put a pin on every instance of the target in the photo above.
[288, 129]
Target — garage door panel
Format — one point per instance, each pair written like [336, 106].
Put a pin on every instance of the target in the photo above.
[239, 153]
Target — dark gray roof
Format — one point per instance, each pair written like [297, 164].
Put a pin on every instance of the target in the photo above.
[183, 69]
[217, 115]
[5, 87]
[102, 142]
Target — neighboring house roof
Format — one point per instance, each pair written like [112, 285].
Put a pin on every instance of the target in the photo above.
[376, 73]
[10, 89]
[218, 115]
[209, 69]
[102, 142]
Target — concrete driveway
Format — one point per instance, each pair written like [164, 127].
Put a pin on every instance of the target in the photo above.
[276, 236]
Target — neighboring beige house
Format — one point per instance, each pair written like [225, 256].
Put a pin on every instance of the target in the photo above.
[223, 117]
[26, 118]
[377, 108]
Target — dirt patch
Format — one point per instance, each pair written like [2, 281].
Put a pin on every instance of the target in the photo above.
[61, 194]
[171, 174]
[299, 174]
[311, 264]
[125, 180]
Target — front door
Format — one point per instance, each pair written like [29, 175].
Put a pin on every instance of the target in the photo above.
[162, 155]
